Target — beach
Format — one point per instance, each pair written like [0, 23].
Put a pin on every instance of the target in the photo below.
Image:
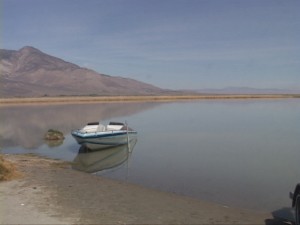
[49, 192]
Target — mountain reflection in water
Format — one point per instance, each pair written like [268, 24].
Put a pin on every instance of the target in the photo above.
[92, 161]
[25, 125]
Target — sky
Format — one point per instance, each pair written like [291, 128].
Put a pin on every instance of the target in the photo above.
[175, 44]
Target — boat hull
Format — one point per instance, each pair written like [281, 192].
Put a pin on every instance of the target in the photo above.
[103, 139]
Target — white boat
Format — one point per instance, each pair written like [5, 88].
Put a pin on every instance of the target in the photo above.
[96, 135]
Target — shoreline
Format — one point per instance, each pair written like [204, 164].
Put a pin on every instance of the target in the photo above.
[49, 191]
[158, 98]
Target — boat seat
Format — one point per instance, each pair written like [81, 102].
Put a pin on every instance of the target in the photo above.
[100, 128]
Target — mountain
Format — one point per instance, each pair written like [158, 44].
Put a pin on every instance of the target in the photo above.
[29, 72]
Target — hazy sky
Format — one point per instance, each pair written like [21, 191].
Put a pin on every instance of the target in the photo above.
[176, 44]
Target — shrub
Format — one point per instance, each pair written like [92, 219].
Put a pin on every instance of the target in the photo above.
[7, 169]
[54, 135]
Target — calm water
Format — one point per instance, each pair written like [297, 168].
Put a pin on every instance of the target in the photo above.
[242, 153]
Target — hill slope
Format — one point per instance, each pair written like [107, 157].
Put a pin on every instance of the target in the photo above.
[29, 72]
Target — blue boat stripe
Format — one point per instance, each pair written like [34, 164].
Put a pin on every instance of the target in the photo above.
[99, 135]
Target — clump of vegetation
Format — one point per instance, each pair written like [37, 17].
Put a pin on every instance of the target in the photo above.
[7, 170]
[54, 138]
[54, 135]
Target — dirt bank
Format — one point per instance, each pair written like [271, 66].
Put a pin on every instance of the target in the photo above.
[50, 192]
[158, 98]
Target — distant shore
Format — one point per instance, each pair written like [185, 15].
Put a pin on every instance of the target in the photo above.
[90, 99]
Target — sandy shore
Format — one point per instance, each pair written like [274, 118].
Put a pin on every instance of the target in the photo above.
[50, 192]
[90, 99]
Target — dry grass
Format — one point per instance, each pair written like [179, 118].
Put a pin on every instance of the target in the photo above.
[8, 170]
[90, 99]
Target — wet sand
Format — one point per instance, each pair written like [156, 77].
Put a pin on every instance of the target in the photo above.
[50, 192]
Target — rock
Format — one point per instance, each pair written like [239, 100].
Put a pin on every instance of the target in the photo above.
[54, 135]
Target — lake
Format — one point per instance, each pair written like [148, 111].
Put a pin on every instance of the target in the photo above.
[241, 153]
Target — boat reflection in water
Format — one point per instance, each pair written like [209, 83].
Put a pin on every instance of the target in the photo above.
[92, 161]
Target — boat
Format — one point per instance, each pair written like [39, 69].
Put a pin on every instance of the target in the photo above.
[96, 135]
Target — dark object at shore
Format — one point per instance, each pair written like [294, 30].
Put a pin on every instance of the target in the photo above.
[54, 135]
[296, 203]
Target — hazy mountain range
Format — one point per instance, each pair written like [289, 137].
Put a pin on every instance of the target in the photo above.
[247, 90]
[29, 72]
